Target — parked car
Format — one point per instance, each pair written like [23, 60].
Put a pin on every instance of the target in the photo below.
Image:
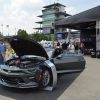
[98, 54]
[93, 53]
[88, 51]
[34, 68]
[46, 44]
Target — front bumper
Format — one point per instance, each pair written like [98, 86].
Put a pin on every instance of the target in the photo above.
[18, 79]
[19, 85]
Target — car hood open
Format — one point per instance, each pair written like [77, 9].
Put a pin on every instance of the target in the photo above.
[27, 47]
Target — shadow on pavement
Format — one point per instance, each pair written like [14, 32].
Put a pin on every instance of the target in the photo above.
[64, 81]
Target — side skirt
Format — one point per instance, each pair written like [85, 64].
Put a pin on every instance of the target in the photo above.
[68, 71]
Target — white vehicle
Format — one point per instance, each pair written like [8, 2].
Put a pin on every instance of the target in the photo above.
[46, 43]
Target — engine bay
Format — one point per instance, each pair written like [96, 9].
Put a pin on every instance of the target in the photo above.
[27, 62]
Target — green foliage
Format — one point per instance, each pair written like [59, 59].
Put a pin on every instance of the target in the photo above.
[39, 37]
[23, 34]
[49, 37]
[35, 36]
[1, 36]
[53, 37]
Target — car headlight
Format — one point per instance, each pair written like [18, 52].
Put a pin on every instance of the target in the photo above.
[34, 70]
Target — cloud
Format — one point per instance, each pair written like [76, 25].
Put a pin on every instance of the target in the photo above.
[20, 14]
[71, 10]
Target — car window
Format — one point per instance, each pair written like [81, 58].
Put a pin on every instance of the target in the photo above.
[57, 52]
[70, 52]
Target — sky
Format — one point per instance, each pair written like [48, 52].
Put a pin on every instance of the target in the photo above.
[22, 14]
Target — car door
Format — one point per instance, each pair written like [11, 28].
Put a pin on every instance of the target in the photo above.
[69, 62]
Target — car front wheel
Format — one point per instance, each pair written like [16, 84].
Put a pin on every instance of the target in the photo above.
[46, 76]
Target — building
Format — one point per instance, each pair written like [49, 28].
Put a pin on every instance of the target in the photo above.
[50, 14]
[88, 23]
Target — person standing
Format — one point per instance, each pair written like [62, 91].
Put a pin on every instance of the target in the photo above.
[65, 46]
[9, 52]
[76, 46]
[2, 50]
[82, 48]
[71, 47]
[58, 44]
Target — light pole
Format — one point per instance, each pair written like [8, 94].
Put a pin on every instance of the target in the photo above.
[8, 29]
[15, 31]
[2, 29]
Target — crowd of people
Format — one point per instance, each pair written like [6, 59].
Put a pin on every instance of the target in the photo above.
[6, 52]
[74, 46]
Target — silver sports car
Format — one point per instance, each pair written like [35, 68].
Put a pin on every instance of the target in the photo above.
[32, 67]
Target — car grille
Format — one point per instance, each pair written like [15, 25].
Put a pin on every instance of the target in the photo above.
[12, 80]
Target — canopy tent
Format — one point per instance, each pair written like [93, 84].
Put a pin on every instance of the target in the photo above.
[81, 20]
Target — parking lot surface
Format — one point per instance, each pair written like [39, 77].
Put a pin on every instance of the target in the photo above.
[74, 86]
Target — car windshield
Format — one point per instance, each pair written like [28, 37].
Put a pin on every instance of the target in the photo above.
[49, 53]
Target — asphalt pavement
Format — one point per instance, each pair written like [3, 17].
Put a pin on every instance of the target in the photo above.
[74, 86]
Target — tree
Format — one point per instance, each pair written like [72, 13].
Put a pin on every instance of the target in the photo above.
[1, 36]
[38, 37]
[23, 34]
[49, 37]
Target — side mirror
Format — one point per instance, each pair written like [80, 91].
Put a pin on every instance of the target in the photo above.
[59, 57]
[52, 60]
